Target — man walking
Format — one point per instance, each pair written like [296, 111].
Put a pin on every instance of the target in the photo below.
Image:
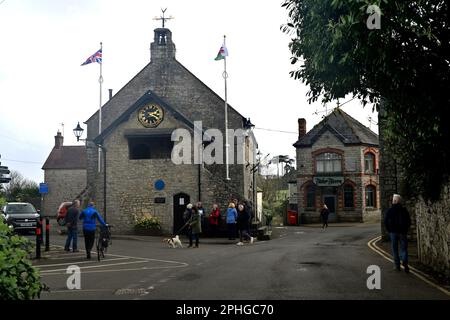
[324, 213]
[397, 222]
[71, 223]
[90, 216]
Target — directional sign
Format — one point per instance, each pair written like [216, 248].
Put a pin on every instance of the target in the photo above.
[4, 170]
[5, 180]
[43, 188]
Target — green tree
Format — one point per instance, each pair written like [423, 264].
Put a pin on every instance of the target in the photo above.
[405, 63]
[21, 189]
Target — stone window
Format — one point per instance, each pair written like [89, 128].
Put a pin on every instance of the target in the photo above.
[329, 163]
[369, 163]
[349, 194]
[311, 196]
[150, 148]
[371, 196]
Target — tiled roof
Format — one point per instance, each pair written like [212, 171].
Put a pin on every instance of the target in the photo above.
[344, 127]
[66, 157]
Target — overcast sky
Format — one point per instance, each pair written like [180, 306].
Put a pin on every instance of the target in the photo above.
[42, 84]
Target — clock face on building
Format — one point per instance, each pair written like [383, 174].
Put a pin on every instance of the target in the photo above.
[151, 115]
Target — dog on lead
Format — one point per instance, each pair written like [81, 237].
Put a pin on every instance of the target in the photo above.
[174, 242]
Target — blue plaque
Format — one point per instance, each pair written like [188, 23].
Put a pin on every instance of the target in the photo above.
[159, 185]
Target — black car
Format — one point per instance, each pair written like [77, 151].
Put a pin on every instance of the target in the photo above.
[20, 216]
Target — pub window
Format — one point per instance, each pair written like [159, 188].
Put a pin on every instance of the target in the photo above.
[369, 163]
[370, 196]
[310, 196]
[150, 148]
[329, 163]
[348, 196]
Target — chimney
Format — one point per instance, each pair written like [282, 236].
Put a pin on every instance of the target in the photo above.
[59, 140]
[301, 127]
[110, 93]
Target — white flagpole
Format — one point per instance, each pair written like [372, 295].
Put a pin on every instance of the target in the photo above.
[100, 80]
[227, 145]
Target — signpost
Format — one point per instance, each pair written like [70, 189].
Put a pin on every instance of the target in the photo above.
[328, 181]
[43, 188]
[4, 170]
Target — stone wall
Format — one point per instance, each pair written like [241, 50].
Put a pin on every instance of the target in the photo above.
[390, 178]
[433, 232]
[63, 185]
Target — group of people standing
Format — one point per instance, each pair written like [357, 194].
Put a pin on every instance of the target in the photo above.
[90, 216]
[238, 218]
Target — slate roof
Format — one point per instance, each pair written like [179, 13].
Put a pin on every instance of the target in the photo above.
[344, 127]
[66, 157]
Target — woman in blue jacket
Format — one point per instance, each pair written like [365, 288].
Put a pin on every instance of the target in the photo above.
[90, 216]
[231, 221]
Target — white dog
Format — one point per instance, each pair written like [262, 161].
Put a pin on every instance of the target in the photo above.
[174, 242]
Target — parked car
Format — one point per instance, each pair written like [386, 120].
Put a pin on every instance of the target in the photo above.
[61, 215]
[20, 216]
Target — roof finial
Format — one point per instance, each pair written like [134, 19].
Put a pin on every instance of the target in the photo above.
[163, 18]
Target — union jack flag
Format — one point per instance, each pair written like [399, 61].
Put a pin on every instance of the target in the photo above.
[96, 57]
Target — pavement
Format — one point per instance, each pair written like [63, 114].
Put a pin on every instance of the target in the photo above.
[304, 262]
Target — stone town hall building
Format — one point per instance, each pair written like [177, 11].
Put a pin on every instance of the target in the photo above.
[337, 164]
[137, 124]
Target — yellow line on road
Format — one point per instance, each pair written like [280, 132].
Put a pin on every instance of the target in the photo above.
[372, 245]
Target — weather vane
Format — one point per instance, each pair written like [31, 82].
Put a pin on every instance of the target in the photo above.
[163, 18]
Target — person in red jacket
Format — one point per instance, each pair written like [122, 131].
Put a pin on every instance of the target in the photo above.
[214, 217]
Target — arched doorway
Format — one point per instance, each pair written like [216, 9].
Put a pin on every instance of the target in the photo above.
[180, 201]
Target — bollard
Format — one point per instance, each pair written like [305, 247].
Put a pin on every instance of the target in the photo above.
[41, 226]
[47, 234]
[38, 240]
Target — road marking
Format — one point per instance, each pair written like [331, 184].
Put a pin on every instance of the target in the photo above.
[76, 262]
[119, 270]
[77, 290]
[91, 267]
[372, 245]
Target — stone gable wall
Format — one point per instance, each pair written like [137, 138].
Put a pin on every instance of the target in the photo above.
[63, 185]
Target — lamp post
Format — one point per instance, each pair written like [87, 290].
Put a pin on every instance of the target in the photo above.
[78, 132]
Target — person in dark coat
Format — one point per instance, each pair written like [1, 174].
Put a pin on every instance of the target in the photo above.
[71, 224]
[397, 222]
[195, 226]
[324, 213]
[242, 224]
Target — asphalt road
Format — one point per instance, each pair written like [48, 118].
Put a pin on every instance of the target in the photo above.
[301, 263]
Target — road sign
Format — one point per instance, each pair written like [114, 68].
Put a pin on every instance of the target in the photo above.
[43, 188]
[4, 170]
[5, 180]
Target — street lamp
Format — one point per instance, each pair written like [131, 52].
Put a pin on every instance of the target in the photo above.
[248, 125]
[78, 132]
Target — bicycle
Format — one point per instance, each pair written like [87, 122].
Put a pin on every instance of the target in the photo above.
[103, 241]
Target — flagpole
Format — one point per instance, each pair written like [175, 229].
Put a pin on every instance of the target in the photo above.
[100, 81]
[227, 145]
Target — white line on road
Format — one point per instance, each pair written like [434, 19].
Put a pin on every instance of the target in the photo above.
[76, 262]
[98, 266]
[120, 270]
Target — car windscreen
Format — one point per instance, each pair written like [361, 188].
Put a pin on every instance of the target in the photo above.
[20, 208]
